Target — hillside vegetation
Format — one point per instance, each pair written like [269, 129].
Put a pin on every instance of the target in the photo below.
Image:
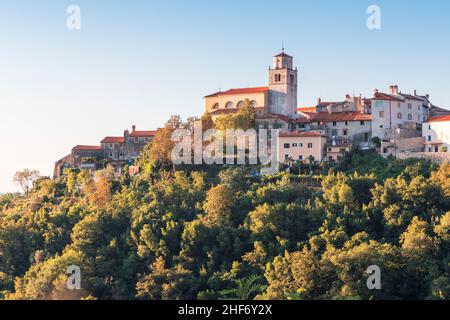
[221, 233]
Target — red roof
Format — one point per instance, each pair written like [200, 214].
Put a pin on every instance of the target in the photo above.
[340, 116]
[439, 119]
[113, 140]
[299, 134]
[142, 134]
[86, 148]
[239, 91]
[307, 109]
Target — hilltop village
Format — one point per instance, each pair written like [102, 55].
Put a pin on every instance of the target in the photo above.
[392, 122]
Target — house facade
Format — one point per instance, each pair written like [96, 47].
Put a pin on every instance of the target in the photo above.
[302, 146]
[396, 110]
[436, 133]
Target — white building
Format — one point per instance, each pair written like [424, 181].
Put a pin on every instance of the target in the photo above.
[436, 132]
[396, 110]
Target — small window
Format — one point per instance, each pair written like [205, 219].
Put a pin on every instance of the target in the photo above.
[409, 105]
[346, 123]
[381, 114]
[240, 104]
[429, 138]
[286, 157]
[345, 132]
[292, 78]
[215, 106]
[399, 116]
[287, 145]
[362, 123]
[381, 126]
[294, 145]
[310, 145]
[410, 117]
[334, 123]
[300, 157]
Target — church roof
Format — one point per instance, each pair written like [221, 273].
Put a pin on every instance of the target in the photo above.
[283, 54]
[239, 91]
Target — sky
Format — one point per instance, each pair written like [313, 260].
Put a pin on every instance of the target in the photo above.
[138, 62]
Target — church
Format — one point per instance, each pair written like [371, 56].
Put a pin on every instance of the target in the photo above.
[278, 98]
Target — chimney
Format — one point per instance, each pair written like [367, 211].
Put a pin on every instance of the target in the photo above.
[133, 128]
[319, 101]
[393, 89]
[415, 92]
[330, 109]
[375, 91]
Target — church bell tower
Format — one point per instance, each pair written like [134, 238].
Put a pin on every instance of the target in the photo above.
[283, 85]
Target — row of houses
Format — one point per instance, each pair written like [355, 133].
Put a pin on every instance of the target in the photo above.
[392, 122]
[114, 150]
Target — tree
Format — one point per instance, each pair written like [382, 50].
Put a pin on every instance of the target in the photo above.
[25, 179]
[246, 289]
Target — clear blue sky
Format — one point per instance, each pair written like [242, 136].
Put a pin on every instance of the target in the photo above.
[138, 62]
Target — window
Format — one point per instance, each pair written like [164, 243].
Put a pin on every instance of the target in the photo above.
[110, 154]
[409, 116]
[286, 157]
[294, 145]
[429, 138]
[215, 106]
[287, 145]
[418, 107]
[240, 104]
[362, 123]
[310, 145]
[409, 105]
[366, 137]
[399, 105]
[254, 103]
[334, 133]
[278, 78]
[381, 114]
[381, 127]
[292, 78]
[229, 105]
[436, 149]
[301, 145]
[399, 116]
[334, 123]
[346, 123]
[300, 157]
[345, 132]
[384, 150]
[379, 104]
[111, 145]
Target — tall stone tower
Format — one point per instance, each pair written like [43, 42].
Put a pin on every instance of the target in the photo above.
[283, 85]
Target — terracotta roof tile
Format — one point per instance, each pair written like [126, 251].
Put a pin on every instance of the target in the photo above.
[239, 91]
[86, 148]
[113, 140]
[142, 134]
[300, 134]
[439, 119]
